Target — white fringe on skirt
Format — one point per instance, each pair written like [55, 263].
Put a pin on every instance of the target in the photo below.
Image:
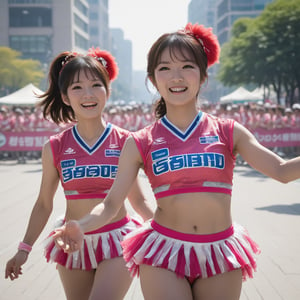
[220, 253]
[98, 245]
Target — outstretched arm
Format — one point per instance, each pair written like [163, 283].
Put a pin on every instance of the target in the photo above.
[263, 159]
[70, 236]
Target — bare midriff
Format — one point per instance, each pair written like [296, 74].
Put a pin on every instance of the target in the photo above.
[76, 209]
[195, 213]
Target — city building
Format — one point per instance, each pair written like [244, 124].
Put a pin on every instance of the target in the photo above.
[228, 11]
[99, 24]
[122, 51]
[202, 12]
[40, 29]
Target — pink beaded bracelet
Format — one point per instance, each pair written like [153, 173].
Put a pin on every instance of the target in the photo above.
[25, 247]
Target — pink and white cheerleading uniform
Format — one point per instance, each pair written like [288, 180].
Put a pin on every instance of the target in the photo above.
[198, 160]
[88, 172]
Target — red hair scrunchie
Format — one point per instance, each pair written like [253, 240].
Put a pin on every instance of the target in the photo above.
[207, 39]
[107, 60]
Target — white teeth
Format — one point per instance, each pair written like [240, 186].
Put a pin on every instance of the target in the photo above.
[177, 89]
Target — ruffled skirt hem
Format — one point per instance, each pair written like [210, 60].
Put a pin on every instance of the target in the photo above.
[189, 255]
[98, 245]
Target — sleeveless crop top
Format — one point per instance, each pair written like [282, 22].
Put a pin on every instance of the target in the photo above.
[87, 172]
[198, 160]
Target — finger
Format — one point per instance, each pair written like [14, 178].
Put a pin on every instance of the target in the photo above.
[16, 271]
[9, 271]
[10, 275]
[59, 242]
[58, 233]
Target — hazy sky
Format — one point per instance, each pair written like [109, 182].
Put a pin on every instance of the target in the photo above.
[143, 21]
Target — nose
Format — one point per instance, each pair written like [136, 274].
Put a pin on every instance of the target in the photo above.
[88, 93]
[177, 75]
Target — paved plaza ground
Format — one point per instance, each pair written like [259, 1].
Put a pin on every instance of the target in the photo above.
[268, 209]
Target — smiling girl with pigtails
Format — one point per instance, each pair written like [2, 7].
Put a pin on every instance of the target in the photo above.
[191, 249]
[84, 158]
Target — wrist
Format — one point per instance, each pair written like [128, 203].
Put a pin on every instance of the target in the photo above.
[24, 247]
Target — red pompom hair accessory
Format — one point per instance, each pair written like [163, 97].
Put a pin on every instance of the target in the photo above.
[107, 60]
[207, 39]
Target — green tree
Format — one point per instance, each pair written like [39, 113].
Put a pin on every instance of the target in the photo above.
[280, 43]
[265, 50]
[16, 72]
[237, 56]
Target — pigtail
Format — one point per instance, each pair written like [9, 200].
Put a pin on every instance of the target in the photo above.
[160, 108]
[52, 104]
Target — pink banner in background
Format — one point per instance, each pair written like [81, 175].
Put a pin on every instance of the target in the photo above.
[34, 140]
[280, 137]
[24, 141]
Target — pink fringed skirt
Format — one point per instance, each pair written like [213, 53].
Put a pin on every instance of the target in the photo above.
[103, 243]
[190, 255]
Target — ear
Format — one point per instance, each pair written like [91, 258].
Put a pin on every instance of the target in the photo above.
[65, 99]
[152, 80]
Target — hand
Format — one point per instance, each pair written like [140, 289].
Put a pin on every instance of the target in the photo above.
[69, 237]
[13, 266]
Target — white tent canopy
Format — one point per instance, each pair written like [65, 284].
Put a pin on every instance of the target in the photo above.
[25, 96]
[265, 93]
[240, 95]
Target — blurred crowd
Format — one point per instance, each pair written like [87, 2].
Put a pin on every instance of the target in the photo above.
[134, 116]
[23, 119]
[258, 114]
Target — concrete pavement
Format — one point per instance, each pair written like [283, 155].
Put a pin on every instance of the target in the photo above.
[268, 209]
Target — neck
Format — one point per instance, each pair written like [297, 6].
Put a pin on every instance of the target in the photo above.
[91, 130]
[181, 118]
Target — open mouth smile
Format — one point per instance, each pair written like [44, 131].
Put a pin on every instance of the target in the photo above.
[178, 89]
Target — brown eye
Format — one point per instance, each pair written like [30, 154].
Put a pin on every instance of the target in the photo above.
[188, 67]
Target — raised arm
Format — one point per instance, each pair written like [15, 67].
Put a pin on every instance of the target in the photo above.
[263, 159]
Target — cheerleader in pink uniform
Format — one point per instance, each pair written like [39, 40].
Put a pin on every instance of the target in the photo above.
[84, 158]
[191, 249]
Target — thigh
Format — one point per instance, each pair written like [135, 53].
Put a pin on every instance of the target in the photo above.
[225, 286]
[77, 283]
[112, 280]
[162, 284]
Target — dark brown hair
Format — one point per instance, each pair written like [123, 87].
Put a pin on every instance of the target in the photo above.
[186, 45]
[63, 70]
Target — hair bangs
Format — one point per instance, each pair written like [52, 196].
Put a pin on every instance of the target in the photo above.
[179, 50]
[91, 68]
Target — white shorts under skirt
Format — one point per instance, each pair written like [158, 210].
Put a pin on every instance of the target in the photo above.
[101, 244]
[190, 255]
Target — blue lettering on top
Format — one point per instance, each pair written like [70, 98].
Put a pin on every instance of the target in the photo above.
[163, 163]
[88, 171]
[112, 153]
[160, 159]
[209, 139]
[68, 163]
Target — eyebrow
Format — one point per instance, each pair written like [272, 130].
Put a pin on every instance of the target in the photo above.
[183, 61]
[92, 79]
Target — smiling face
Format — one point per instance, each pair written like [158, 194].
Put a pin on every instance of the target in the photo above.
[86, 95]
[177, 77]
